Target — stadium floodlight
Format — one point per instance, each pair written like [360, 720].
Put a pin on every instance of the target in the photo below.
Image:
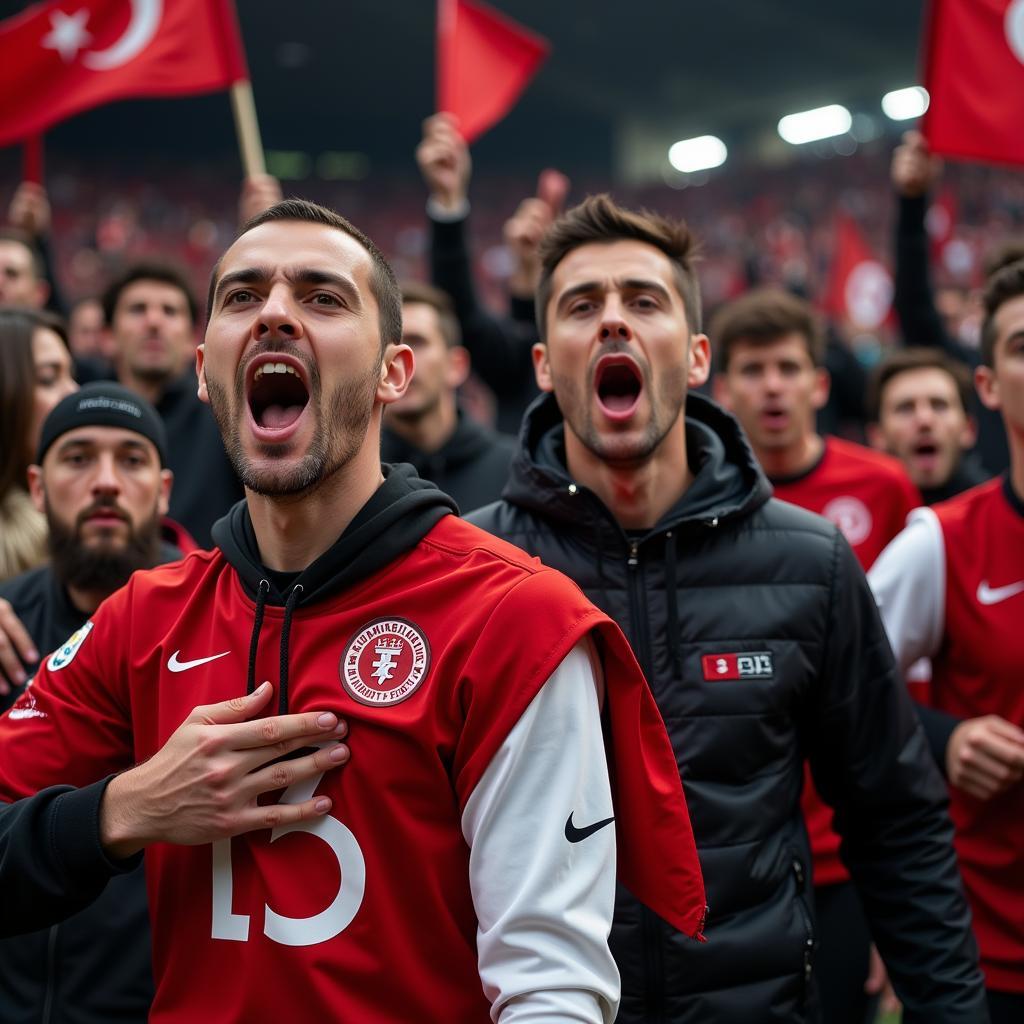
[811, 125]
[699, 154]
[903, 104]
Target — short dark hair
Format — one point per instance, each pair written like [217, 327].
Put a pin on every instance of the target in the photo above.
[9, 234]
[164, 273]
[904, 360]
[383, 284]
[439, 301]
[762, 316]
[1005, 284]
[600, 219]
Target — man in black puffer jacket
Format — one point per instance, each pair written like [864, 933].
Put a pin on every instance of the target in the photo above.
[757, 632]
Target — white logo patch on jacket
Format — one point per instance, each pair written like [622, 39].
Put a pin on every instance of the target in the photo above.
[63, 656]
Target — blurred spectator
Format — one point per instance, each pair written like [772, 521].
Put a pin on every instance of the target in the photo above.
[915, 172]
[85, 330]
[35, 374]
[29, 213]
[426, 427]
[920, 409]
[22, 274]
[501, 347]
[769, 348]
[151, 317]
[99, 480]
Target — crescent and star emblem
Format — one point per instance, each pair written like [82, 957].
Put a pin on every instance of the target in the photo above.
[69, 35]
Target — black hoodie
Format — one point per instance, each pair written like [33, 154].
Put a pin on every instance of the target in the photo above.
[730, 572]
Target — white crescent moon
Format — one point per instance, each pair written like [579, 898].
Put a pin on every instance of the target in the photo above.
[145, 20]
[1013, 26]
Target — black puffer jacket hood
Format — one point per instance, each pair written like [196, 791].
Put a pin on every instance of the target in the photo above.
[398, 515]
[728, 481]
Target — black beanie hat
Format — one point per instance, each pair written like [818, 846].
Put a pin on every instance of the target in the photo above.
[103, 404]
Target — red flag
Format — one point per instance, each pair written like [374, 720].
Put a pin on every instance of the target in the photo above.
[484, 62]
[860, 287]
[66, 56]
[975, 79]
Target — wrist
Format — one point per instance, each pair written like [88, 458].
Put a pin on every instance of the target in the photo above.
[121, 822]
[449, 203]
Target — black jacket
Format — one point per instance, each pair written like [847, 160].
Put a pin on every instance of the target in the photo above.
[95, 966]
[205, 485]
[731, 571]
[472, 465]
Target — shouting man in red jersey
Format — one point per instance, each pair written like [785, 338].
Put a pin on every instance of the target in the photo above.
[951, 588]
[477, 812]
[769, 349]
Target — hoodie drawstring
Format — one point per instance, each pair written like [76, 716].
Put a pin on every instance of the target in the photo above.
[257, 625]
[675, 641]
[286, 630]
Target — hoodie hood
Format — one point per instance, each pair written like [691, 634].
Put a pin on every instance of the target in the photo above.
[398, 515]
[395, 519]
[728, 481]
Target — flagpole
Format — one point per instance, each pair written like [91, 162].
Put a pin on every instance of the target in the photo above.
[32, 159]
[247, 128]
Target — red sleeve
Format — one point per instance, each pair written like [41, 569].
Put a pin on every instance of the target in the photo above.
[72, 725]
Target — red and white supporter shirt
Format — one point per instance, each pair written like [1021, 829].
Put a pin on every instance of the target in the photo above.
[868, 495]
[951, 587]
[459, 875]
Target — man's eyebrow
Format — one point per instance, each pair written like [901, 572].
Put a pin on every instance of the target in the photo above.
[629, 284]
[583, 288]
[296, 275]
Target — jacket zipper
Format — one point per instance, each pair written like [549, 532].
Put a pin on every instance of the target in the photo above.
[51, 971]
[650, 926]
[798, 871]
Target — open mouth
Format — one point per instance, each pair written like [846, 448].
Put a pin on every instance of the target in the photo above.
[618, 384]
[277, 394]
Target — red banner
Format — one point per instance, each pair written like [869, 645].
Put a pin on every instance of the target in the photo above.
[484, 62]
[975, 80]
[860, 286]
[59, 58]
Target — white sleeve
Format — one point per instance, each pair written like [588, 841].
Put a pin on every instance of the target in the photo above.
[909, 583]
[545, 903]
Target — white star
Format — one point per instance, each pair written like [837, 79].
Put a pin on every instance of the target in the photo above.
[67, 34]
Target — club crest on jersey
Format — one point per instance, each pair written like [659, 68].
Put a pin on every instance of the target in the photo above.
[63, 656]
[852, 517]
[752, 665]
[385, 662]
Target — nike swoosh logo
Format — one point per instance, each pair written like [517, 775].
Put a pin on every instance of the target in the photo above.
[183, 666]
[993, 595]
[577, 835]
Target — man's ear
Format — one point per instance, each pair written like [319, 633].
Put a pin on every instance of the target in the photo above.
[987, 385]
[699, 361]
[541, 367]
[163, 501]
[35, 487]
[822, 388]
[458, 367]
[42, 293]
[875, 436]
[204, 394]
[396, 370]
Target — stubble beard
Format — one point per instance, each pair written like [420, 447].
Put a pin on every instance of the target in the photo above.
[337, 436]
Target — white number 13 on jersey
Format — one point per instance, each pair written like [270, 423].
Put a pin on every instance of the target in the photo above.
[295, 931]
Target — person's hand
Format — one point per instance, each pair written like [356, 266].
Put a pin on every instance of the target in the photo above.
[914, 169]
[526, 227]
[203, 784]
[30, 209]
[985, 756]
[878, 984]
[444, 162]
[259, 193]
[16, 649]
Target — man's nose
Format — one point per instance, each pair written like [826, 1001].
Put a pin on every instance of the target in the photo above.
[106, 480]
[277, 316]
[614, 326]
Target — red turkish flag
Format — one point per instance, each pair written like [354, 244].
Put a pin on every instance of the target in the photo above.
[975, 78]
[860, 286]
[484, 62]
[59, 58]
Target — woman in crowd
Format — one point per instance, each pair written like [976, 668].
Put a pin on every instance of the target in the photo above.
[35, 374]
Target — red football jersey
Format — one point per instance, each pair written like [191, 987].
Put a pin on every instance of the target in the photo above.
[365, 914]
[978, 671]
[868, 495]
